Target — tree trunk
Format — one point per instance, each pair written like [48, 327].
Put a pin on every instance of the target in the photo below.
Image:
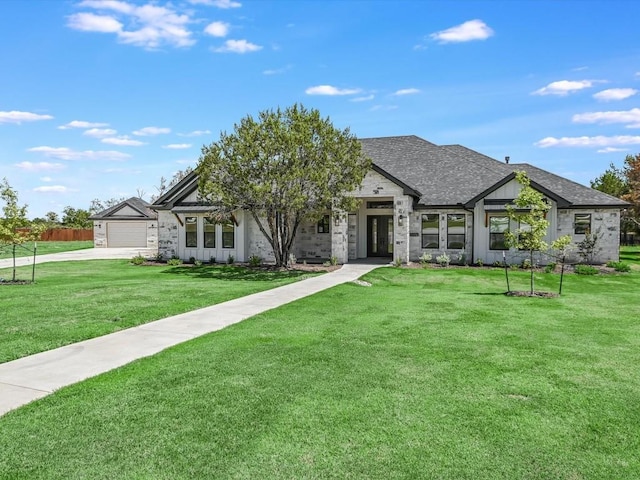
[14, 262]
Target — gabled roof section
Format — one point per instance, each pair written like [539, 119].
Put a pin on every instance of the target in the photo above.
[179, 191]
[141, 211]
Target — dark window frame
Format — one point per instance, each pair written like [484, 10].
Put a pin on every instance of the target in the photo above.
[209, 236]
[430, 238]
[579, 226]
[191, 234]
[456, 235]
[497, 238]
[324, 224]
[228, 235]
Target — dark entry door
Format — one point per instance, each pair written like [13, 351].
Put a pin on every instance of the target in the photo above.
[380, 236]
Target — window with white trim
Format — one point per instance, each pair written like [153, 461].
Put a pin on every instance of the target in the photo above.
[430, 230]
[191, 232]
[498, 225]
[209, 228]
[455, 231]
[228, 235]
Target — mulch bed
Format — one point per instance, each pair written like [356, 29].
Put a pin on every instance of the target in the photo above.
[265, 268]
[522, 293]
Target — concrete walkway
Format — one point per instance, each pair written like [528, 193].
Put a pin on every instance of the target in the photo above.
[85, 254]
[33, 377]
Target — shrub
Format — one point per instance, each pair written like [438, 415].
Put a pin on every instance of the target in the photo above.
[550, 268]
[138, 260]
[212, 260]
[159, 257]
[462, 258]
[443, 260]
[480, 262]
[619, 266]
[397, 262]
[586, 270]
[230, 260]
[255, 261]
[174, 261]
[192, 260]
[498, 264]
[197, 263]
[425, 258]
[526, 264]
[333, 260]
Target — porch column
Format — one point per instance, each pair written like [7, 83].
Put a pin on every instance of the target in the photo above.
[401, 207]
[340, 236]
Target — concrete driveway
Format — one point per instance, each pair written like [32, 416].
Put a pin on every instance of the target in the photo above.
[86, 254]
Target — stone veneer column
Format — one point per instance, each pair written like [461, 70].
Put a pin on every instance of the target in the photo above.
[340, 236]
[401, 207]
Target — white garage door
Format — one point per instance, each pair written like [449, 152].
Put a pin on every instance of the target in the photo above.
[126, 234]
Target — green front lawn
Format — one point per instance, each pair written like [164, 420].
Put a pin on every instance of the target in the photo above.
[426, 374]
[44, 248]
[74, 301]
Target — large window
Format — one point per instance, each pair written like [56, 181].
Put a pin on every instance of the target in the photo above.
[228, 235]
[430, 230]
[209, 233]
[497, 228]
[455, 231]
[191, 231]
[582, 223]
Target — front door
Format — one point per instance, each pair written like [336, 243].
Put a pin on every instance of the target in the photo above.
[380, 236]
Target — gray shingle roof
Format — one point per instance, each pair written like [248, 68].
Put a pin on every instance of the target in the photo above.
[136, 203]
[452, 174]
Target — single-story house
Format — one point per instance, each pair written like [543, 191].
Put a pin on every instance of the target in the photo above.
[130, 223]
[418, 198]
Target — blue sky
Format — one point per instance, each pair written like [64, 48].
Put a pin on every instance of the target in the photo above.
[101, 98]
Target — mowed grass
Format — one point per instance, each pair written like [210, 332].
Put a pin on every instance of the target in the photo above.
[427, 374]
[631, 255]
[74, 301]
[44, 248]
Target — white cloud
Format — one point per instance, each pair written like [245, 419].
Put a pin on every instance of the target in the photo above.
[123, 141]
[51, 188]
[629, 117]
[217, 29]
[237, 46]
[130, 171]
[82, 124]
[331, 90]
[564, 87]
[217, 3]
[65, 153]
[89, 22]
[598, 141]
[17, 117]
[99, 132]
[383, 108]
[406, 91]
[40, 166]
[362, 99]
[195, 133]
[148, 26]
[612, 150]
[465, 32]
[177, 146]
[150, 131]
[46, 179]
[615, 94]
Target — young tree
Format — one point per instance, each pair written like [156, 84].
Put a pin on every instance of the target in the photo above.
[283, 167]
[15, 228]
[98, 205]
[165, 186]
[529, 209]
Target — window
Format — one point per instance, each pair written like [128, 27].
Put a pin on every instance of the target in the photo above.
[582, 223]
[209, 233]
[497, 227]
[323, 224]
[228, 235]
[380, 204]
[191, 231]
[430, 230]
[455, 231]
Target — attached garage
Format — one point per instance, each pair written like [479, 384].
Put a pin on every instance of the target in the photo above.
[131, 223]
[126, 234]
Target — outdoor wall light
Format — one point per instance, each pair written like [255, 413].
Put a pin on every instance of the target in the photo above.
[336, 220]
[400, 220]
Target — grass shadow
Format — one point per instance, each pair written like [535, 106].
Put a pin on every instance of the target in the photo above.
[234, 273]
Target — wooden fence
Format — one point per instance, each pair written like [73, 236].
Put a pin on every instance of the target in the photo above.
[66, 235]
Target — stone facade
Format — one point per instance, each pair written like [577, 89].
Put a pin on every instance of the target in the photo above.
[605, 224]
[168, 234]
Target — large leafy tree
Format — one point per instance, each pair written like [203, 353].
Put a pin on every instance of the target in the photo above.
[15, 227]
[76, 217]
[282, 167]
[632, 174]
